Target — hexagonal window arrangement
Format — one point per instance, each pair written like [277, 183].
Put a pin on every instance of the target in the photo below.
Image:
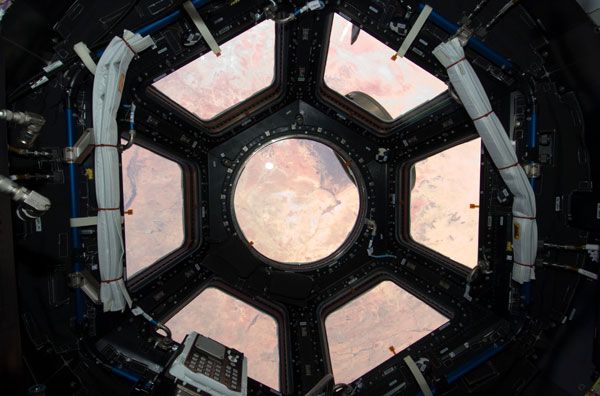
[364, 73]
[296, 201]
[444, 202]
[153, 190]
[232, 322]
[210, 85]
[367, 331]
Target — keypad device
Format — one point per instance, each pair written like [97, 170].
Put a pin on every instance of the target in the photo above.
[210, 366]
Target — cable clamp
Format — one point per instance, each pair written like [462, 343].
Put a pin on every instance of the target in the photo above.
[82, 148]
[39, 82]
[464, 35]
[85, 281]
[533, 170]
[313, 5]
[84, 53]
[52, 66]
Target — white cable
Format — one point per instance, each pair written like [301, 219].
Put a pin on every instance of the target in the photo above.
[108, 88]
[494, 137]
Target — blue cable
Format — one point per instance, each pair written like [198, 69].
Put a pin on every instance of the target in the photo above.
[456, 374]
[533, 182]
[432, 388]
[474, 43]
[156, 25]
[473, 363]
[526, 292]
[126, 374]
[532, 143]
[383, 256]
[532, 140]
[172, 17]
[74, 213]
[159, 24]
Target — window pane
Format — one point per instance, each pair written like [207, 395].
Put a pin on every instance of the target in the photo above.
[153, 190]
[296, 201]
[361, 333]
[210, 84]
[366, 66]
[226, 319]
[444, 202]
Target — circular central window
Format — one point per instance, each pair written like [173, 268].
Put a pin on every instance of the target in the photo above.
[297, 201]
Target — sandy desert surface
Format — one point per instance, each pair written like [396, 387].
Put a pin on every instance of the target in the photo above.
[295, 202]
[210, 84]
[152, 189]
[366, 66]
[236, 324]
[361, 333]
[442, 219]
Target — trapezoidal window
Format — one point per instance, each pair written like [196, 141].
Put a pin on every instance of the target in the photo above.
[364, 73]
[212, 84]
[232, 322]
[444, 202]
[297, 201]
[153, 191]
[368, 330]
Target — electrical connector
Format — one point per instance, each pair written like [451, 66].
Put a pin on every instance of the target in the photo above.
[33, 204]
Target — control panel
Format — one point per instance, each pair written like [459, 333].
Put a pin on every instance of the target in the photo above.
[210, 367]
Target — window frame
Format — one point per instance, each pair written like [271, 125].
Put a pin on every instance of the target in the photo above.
[380, 127]
[349, 294]
[192, 227]
[275, 311]
[356, 230]
[239, 111]
[402, 214]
